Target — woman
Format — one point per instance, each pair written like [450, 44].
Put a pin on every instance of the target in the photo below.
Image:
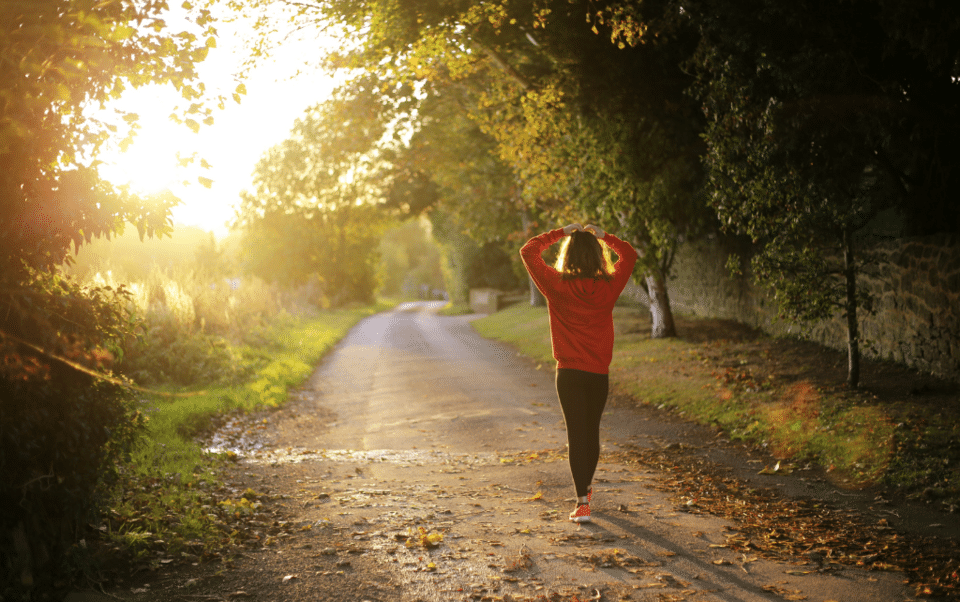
[581, 291]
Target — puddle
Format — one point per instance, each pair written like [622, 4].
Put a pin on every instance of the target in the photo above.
[239, 437]
[236, 436]
[256, 454]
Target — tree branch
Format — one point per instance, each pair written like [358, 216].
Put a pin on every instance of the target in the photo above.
[504, 66]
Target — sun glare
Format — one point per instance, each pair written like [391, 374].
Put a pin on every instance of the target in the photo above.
[148, 167]
[150, 163]
[226, 152]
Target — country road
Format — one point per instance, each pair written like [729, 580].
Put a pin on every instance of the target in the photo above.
[422, 462]
[411, 379]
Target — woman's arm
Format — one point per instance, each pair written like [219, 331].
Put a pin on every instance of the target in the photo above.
[532, 255]
[627, 259]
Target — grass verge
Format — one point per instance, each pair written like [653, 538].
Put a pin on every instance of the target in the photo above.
[899, 431]
[170, 505]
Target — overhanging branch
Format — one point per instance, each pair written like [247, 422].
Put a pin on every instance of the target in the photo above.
[504, 66]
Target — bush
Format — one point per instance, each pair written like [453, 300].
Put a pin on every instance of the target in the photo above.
[64, 429]
[193, 327]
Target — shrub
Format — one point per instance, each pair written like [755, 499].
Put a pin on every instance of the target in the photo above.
[190, 325]
[64, 429]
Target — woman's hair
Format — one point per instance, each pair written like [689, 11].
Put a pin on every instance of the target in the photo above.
[582, 256]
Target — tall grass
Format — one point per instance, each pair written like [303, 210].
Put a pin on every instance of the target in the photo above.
[167, 490]
[197, 329]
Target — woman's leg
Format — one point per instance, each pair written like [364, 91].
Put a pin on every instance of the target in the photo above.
[583, 396]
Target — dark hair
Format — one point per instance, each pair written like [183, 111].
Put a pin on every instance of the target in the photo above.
[582, 256]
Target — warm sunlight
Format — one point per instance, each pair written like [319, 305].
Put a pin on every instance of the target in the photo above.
[226, 152]
[150, 163]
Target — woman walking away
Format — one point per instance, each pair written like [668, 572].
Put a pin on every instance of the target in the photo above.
[581, 291]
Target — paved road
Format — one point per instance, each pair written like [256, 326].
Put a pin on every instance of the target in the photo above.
[414, 421]
[411, 378]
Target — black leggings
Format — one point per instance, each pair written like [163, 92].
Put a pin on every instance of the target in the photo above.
[582, 397]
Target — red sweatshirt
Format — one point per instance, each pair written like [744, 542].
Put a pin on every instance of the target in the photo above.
[581, 309]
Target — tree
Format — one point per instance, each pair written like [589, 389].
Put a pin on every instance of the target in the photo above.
[450, 168]
[410, 259]
[587, 129]
[59, 61]
[641, 149]
[312, 214]
[821, 118]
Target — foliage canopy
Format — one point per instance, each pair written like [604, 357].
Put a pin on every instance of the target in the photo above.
[312, 214]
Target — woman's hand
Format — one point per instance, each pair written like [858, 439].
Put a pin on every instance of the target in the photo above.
[568, 230]
[595, 230]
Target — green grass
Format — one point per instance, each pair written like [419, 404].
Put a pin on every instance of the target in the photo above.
[857, 439]
[455, 309]
[291, 350]
[165, 490]
[526, 328]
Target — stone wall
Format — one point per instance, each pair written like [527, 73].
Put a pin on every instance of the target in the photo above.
[916, 287]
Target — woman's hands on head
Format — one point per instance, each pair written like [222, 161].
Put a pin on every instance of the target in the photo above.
[595, 230]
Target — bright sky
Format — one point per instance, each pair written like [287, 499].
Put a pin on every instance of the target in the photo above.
[276, 96]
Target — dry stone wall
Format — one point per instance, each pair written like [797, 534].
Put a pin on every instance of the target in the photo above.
[916, 287]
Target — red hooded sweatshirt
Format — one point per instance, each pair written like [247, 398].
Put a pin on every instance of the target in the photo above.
[581, 309]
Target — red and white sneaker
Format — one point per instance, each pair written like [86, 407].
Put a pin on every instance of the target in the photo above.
[581, 514]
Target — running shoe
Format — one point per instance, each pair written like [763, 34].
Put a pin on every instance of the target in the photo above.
[581, 514]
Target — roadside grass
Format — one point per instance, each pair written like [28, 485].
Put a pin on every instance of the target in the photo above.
[783, 395]
[170, 503]
[455, 309]
[526, 328]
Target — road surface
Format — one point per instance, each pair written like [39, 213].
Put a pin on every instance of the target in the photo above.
[422, 462]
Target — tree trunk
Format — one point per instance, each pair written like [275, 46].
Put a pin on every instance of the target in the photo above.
[660, 313]
[853, 330]
[536, 297]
